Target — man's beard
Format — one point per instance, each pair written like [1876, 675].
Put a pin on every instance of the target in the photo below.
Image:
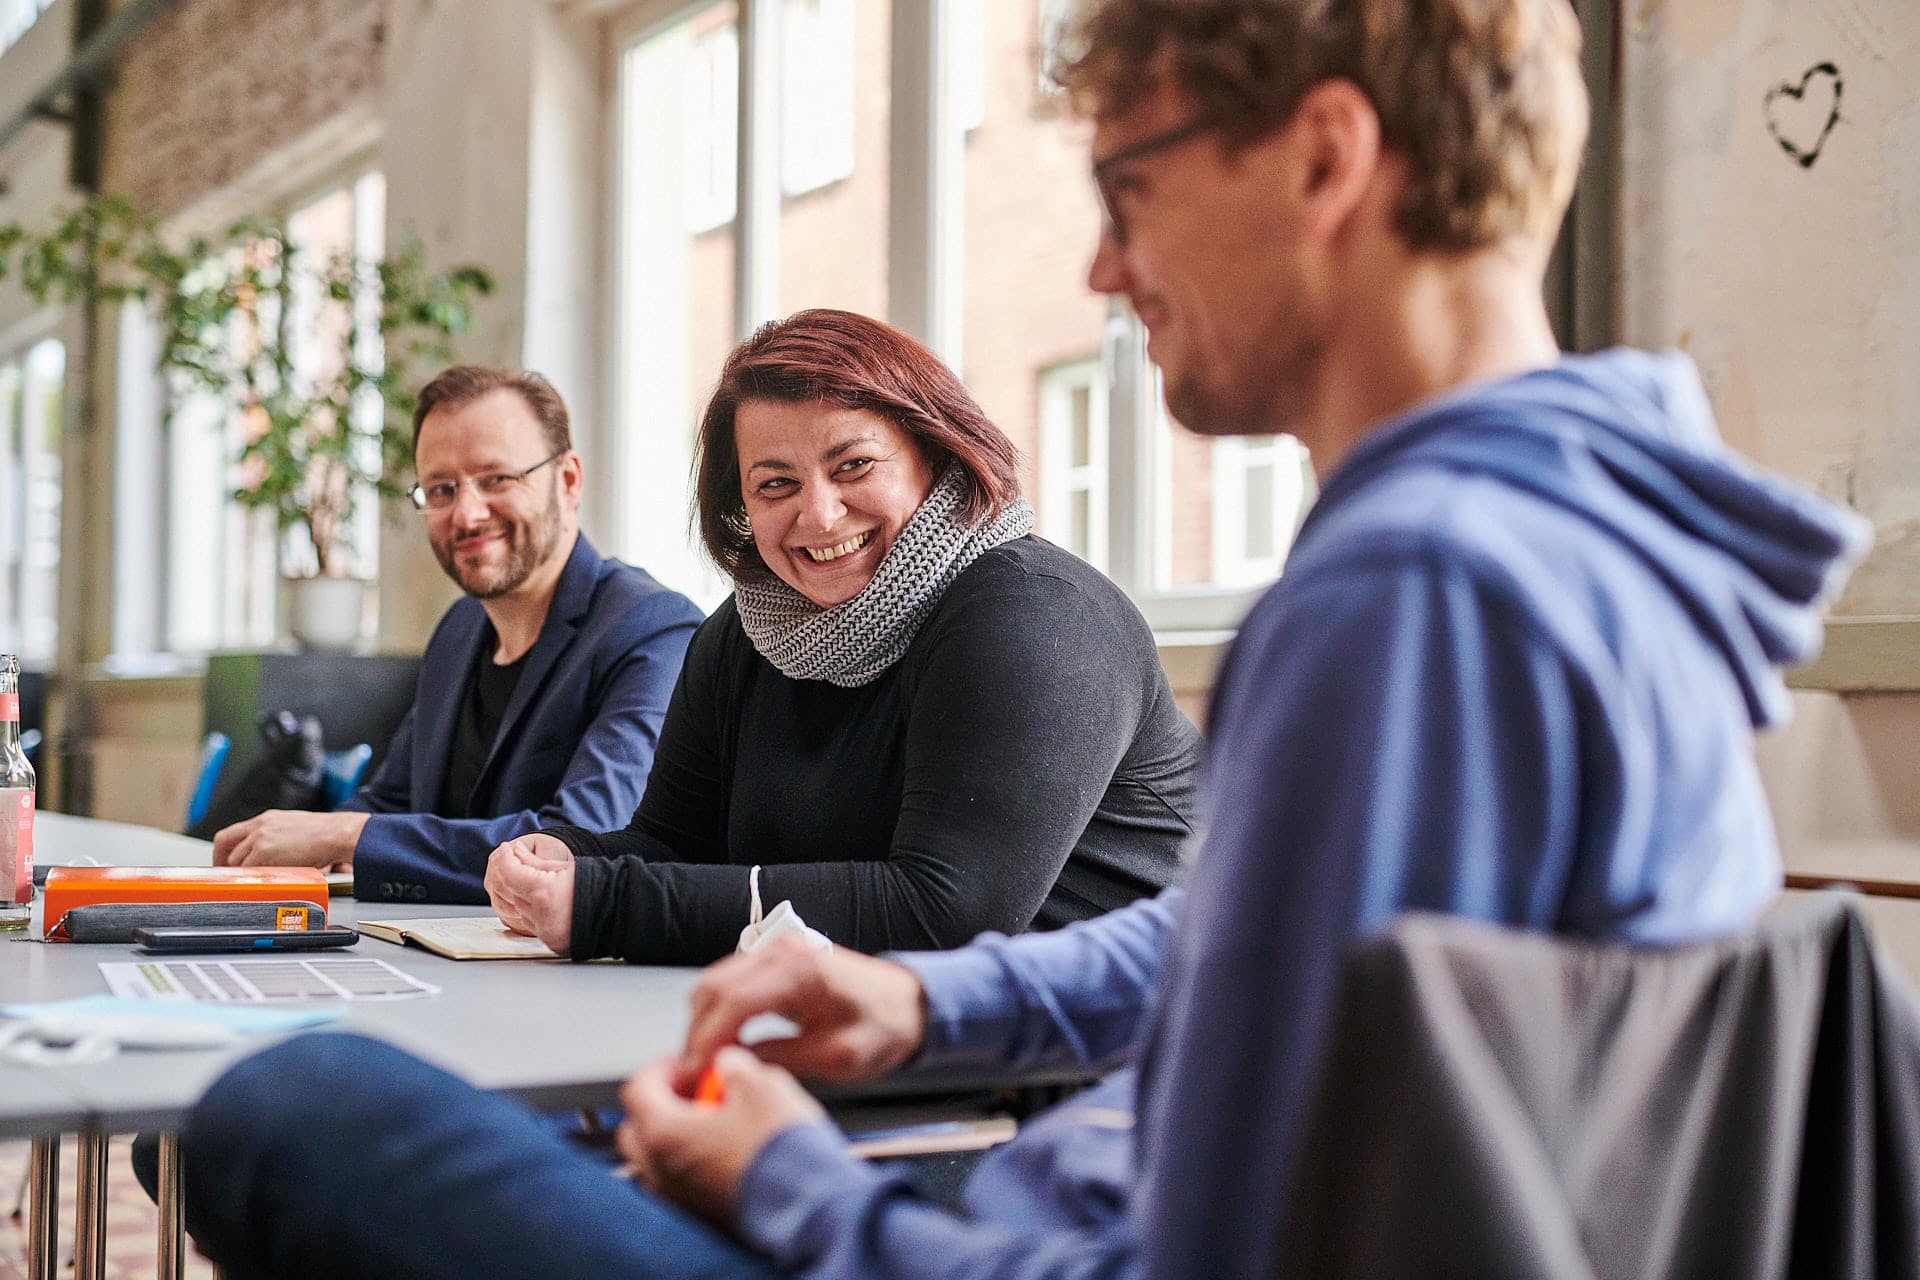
[1267, 397]
[1211, 411]
[528, 545]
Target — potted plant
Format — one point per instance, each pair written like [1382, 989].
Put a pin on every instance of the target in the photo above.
[319, 359]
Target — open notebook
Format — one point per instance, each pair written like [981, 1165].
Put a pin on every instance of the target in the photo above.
[460, 938]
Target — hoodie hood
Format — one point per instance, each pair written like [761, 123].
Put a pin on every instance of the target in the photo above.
[1626, 440]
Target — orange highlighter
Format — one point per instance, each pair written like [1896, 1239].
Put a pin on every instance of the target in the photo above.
[708, 1091]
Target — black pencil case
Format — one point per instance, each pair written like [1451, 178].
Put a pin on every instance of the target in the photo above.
[116, 921]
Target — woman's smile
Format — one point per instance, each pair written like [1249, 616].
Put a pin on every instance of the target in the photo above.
[839, 550]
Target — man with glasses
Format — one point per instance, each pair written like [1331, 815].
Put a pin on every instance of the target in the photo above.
[541, 692]
[1511, 673]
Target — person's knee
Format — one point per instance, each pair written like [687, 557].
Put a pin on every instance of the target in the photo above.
[311, 1084]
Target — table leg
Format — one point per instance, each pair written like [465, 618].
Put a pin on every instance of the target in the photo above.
[90, 1217]
[172, 1252]
[43, 1210]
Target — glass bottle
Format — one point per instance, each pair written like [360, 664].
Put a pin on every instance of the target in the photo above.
[16, 804]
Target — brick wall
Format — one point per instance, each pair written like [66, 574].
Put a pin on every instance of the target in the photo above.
[215, 87]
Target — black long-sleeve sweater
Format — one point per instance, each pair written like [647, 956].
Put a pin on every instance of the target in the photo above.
[1022, 764]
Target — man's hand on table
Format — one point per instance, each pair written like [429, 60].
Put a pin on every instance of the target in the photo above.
[289, 838]
[696, 1153]
[530, 884]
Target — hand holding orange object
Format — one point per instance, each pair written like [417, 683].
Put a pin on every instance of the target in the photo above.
[694, 1151]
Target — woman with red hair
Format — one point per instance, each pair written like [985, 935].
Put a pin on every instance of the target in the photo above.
[914, 718]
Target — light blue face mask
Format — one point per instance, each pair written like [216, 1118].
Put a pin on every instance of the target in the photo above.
[94, 1028]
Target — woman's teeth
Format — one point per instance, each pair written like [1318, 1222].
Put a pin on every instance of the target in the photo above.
[820, 555]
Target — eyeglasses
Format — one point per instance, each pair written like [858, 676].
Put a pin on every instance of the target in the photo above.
[442, 494]
[1104, 167]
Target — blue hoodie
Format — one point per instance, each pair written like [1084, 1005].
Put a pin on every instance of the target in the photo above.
[1511, 673]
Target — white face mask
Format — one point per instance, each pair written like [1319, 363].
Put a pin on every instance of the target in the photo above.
[762, 929]
[94, 1028]
[68, 1039]
[782, 920]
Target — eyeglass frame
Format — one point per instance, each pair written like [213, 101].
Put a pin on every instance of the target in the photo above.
[421, 503]
[1115, 226]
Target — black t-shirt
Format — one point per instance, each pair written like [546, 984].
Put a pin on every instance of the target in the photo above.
[489, 689]
[1022, 764]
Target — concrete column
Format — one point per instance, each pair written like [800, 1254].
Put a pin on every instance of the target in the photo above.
[494, 153]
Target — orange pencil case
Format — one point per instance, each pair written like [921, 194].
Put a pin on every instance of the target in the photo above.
[70, 887]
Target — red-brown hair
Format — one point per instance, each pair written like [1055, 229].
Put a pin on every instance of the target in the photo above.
[852, 362]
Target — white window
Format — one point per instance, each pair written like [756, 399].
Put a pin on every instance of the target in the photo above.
[817, 80]
[1218, 513]
[1074, 480]
[32, 393]
[816, 94]
[683, 269]
[710, 72]
[209, 577]
[968, 30]
[1261, 485]
[16, 16]
[349, 219]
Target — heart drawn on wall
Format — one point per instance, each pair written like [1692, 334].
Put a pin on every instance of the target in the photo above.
[1800, 116]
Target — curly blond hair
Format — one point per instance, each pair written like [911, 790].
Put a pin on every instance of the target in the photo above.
[1483, 98]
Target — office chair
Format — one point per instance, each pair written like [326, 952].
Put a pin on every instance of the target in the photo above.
[340, 774]
[1517, 1106]
[213, 754]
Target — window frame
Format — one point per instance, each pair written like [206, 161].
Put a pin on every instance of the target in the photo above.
[1059, 476]
[17, 345]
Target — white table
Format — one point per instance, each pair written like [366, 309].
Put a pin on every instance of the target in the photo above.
[60, 839]
[553, 1033]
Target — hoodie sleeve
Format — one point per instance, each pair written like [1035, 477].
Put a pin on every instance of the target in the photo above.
[1077, 995]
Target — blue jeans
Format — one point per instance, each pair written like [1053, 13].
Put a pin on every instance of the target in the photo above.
[338, 1156]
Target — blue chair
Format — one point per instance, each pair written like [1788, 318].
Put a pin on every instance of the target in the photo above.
[340, 774]
[213, 754]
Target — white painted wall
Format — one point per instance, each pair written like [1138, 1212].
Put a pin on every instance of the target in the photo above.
[33, 167]
[1796, 285]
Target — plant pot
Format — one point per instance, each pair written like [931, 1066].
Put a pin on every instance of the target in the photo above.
[326, 613]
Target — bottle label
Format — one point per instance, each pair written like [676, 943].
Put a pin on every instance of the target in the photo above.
[9, 708]
[16, 844]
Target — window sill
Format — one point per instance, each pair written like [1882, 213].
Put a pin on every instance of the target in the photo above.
[144, 669]
[1865, 655]
[1202, 610]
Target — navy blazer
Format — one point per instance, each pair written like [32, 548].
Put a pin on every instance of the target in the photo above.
[575, 745]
